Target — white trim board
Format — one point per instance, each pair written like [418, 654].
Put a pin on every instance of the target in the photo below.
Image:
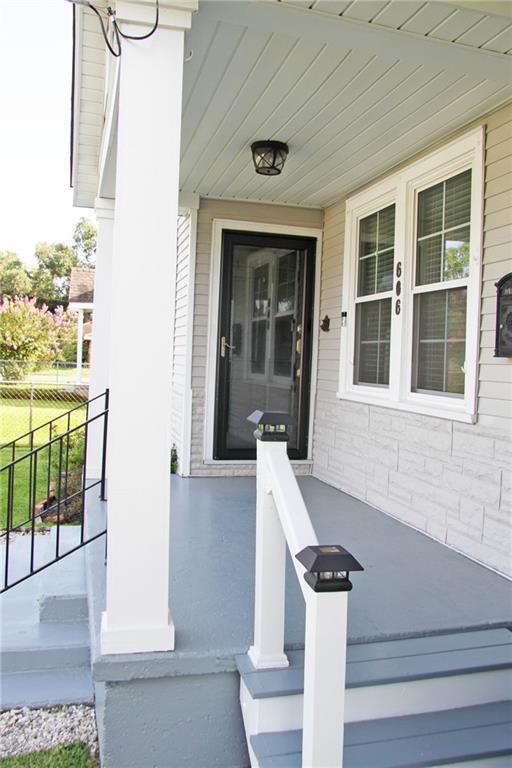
[213, 321]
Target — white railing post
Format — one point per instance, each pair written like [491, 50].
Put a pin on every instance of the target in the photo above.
[269, 601]
[324, 679]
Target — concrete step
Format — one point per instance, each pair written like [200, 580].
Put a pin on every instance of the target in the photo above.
[46, 688]
[36, 646]
[393, 678]
[461, 736]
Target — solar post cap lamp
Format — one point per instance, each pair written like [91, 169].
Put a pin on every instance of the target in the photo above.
[328, 567]
[271, 426]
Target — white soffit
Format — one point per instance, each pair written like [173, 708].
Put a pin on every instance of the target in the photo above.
[89, 78]
[351, 97]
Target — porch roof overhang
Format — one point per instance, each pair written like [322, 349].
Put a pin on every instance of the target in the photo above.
[354, 88]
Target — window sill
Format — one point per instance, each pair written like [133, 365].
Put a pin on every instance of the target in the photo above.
[440, 411]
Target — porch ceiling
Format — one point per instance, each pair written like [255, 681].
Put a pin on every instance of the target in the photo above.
[351, 94]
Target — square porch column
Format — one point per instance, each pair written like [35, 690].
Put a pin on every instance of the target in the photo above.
[137, 617]
[100, 347]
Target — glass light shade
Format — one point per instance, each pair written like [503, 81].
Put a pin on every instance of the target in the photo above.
[269, 157]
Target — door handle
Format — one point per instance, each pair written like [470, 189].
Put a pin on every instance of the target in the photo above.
[224, 345]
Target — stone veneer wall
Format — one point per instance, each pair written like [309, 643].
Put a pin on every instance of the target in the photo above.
[449, 479]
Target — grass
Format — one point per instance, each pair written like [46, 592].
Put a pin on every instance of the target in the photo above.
[15, 420]
[65, 756]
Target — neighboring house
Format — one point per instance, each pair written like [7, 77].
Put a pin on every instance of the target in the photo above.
[81, 300]
[355, 291]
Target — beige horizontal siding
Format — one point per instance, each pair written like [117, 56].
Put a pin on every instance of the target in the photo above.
[180, 340]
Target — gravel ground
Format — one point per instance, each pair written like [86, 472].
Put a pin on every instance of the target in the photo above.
[29, 730]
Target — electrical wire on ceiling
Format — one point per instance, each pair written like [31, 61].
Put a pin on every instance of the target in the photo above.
[107, 18]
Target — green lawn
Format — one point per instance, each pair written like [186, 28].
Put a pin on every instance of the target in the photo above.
[15, 418]
[14, 421]
[68, 756]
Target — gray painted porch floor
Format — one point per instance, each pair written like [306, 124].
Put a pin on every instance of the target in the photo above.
[411, 585]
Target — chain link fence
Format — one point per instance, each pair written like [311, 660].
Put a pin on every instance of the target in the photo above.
[33, 393]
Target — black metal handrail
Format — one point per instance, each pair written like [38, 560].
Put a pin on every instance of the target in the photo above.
[57, 469]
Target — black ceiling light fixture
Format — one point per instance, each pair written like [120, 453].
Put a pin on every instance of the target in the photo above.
[269, 157]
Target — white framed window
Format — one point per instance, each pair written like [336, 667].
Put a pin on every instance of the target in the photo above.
[411, 285]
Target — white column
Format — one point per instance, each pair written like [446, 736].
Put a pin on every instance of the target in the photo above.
[269, 599]
[324, 679]
[100, 347]
[79, 345]
[137, 615]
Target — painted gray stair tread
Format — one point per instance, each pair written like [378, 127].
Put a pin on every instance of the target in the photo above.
[380, 663]
[404, 742]
[43, 635]
[46, 688]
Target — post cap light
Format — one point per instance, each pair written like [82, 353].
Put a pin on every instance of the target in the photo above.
[328, 567]
[271, 425]
[269, 157]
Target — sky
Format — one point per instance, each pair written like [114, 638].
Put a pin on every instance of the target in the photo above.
[35, 91]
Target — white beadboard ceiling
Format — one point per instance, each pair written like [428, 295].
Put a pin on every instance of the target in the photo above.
[350, 94]
[353, 86]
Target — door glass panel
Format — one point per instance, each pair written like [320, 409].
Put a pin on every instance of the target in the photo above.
[263, 321]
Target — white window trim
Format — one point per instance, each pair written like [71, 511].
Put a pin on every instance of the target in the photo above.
[402, 189]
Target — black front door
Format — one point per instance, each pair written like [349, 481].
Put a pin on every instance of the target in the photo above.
[265, 338]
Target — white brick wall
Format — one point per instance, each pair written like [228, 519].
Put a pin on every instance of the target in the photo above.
[451, 480]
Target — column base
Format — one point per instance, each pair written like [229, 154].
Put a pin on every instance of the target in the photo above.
[275, 661]
[136, 639]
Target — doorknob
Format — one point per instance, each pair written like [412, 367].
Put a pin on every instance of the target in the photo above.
[224, 345]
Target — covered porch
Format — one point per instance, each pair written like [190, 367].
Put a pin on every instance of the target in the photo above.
[412, 586]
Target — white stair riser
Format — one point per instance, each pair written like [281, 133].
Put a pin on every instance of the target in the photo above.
[380, 701]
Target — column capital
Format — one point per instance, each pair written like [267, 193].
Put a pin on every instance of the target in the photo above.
[173, 14]
[104, 207]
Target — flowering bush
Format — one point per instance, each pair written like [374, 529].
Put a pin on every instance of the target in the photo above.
[30, 333]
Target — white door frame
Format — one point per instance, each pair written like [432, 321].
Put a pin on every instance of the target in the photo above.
[213, 323]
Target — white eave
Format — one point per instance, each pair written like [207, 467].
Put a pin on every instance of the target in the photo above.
[89, 84]
[354, 87]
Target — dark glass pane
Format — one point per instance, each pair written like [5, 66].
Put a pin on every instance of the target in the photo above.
[386, 235]
[368, 358]
[432, 323]
[429, 260]
[455, 355]
[383, 375]
[456, 254]
[458, 200]
[366, 283]
[259, 346]
[373, 322]
[385, 271]
[457, 314]
[283, 346]
[260, 291]
[369, 321]
[286, 282]
[368, 235]
[440, 332]
[264, 280]
[430, 210]
[431, 366]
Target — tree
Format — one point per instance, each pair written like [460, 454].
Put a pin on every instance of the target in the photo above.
[14, 278]
[84, 239]
[29, 333]
[50, 279]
